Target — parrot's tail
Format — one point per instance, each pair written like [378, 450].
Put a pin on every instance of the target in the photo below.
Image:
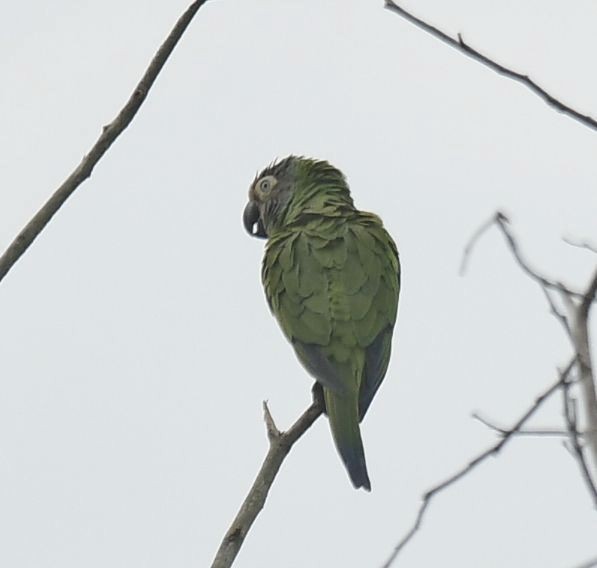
[343, 412]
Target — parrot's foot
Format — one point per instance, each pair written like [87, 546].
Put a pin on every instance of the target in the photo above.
[317, 392]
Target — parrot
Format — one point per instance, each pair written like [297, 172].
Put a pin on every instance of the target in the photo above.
[331, 275]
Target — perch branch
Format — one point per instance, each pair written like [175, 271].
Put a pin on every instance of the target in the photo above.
[460, 45]
[492, 450]
[109, 133]
[280, 444]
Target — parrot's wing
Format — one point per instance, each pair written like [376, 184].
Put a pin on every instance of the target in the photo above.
[377, 358]
[385, 304]
[296, 287]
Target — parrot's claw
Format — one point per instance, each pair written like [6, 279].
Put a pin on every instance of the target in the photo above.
[317, 391]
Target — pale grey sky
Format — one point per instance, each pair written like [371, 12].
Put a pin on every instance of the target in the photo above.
[135, 340]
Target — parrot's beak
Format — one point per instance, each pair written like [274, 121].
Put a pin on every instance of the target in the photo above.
[252, 221]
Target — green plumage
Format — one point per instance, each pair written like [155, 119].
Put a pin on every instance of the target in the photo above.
[331, 276]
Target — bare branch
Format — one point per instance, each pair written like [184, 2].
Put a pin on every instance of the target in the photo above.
[492, 450]
[280, 444]
[588, 395]
[463, 47]
[578, 305]
[577, 450]
[109, 133]
[588, 298]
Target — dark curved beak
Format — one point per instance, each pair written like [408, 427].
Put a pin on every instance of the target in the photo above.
[252, 221]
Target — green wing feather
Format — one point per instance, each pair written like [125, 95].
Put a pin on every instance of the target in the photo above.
[333, 283]
[385, 303]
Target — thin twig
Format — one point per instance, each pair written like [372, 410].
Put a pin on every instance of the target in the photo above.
[280, 444]
[522, 432]
[502, 222]
[463, 47]
[492, 450]
[562, 318]
[109, 133]
[468, 249]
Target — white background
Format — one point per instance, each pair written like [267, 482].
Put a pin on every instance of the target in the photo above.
[135, 342]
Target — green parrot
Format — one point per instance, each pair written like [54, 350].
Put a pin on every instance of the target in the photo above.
[331, 275]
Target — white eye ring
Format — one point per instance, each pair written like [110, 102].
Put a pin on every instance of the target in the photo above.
[265, 185]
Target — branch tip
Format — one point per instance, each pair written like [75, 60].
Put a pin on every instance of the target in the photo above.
[272, 430]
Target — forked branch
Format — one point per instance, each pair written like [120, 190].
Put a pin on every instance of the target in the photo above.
[575, 323]
[505, 436]
[280, 444]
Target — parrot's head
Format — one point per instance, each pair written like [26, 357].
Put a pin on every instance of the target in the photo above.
[288, 188]
[269, 195]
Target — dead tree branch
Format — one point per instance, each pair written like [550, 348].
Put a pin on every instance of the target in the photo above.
[109, 133]
[463, 47]
[576, 325]
[578, 305]
[280, 444]
[506, 435]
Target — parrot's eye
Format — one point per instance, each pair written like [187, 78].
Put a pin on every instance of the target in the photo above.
[266, 184]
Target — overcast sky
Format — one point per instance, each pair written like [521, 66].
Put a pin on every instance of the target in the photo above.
[135, 340]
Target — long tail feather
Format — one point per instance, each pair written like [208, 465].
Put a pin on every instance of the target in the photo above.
[343, 412]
